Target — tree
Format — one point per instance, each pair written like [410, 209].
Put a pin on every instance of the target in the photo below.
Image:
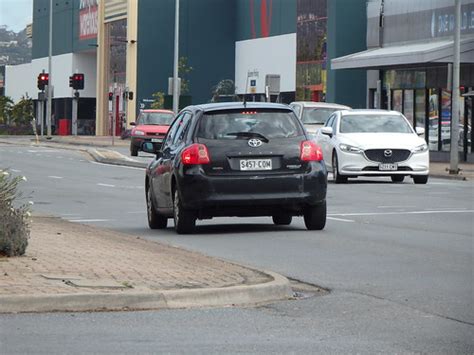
[224, 87]
[183, 70]
[159, 100]
[22, 111]
[6, 105]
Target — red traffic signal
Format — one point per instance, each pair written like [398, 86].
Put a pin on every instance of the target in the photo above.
[43, 80]
[76, 81]
[111, 96]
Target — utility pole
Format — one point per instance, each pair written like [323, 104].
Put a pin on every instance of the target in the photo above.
[454, 156]
[176, 59]
[50, 71]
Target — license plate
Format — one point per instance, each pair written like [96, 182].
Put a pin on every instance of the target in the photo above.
[156, 140]
[256, 164]
[388, 167]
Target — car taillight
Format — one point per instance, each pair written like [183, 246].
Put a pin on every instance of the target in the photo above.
[195, 154]
[310, 151]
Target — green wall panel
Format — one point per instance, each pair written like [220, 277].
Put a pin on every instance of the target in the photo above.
[347, 29]
[207, 41]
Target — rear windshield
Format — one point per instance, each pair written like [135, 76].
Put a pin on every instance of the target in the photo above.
[244, 124]
[374, 124]
[317, 115]
[157, 118]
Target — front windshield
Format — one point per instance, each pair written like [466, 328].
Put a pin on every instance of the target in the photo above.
[374, 124]
[316, 115]
[155, 118]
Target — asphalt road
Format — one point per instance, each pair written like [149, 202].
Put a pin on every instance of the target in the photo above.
[398, 259]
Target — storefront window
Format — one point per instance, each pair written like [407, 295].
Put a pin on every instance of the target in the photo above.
[420, 114]
[397, 103]
[445, 120]
[433, 123]
[408, 105]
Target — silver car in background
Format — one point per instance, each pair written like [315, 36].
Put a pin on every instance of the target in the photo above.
[315, 114]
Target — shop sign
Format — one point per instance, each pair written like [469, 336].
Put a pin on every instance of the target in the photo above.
[88, 18]
[443, 21]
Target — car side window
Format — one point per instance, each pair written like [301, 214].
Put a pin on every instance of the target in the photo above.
[183, 128]
[172, 131]
[329, 121]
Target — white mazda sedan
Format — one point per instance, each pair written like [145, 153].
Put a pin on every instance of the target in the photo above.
[373, 143]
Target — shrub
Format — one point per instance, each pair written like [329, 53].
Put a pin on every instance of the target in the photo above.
[14, 217]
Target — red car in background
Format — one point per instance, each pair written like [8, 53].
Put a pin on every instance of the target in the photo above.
[151, 126]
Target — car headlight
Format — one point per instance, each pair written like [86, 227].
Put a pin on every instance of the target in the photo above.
[349, 148]
[138, 133]
[421, 148]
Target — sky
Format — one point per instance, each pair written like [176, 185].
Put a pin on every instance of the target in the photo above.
[16, 14]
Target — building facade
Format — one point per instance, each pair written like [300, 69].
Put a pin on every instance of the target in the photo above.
[408, 63]
[125, 50]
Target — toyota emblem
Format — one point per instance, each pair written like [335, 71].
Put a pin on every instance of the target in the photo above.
[254, 142]
[387, 153]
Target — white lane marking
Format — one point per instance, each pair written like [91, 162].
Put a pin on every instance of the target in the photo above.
[396, 206]
[397, 213]
[340, 219]
[137, 212]
[105, 185]
[16, 170]
[55, 177]
[69, 214]
[89, 220]
[117, 166]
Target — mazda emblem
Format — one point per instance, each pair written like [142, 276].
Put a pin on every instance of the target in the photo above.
[254, 143]
[387, 153]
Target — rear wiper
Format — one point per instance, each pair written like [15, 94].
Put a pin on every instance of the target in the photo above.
[248, 135]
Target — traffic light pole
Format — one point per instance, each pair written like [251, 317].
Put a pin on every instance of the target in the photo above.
[75, 104]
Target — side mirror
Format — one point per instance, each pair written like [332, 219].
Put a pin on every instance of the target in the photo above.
[327, 131]
[133, 124]
[149, 147]
[420, 131]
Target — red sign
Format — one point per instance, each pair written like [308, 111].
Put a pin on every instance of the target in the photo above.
[88, 20]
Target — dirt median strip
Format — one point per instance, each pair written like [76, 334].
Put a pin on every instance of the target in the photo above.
[69, 266]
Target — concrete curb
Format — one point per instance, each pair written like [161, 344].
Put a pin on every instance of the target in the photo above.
[277, 290]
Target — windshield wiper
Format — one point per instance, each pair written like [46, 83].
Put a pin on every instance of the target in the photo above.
[248, 135]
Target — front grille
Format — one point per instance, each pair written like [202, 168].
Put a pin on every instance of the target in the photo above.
[376, 168]
[380, 155]
[159, 135]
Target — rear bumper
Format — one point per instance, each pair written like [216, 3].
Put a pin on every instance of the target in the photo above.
[256, 195]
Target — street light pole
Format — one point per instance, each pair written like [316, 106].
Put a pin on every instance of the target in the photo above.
[454, 156]
[176, 58]
[50, 71]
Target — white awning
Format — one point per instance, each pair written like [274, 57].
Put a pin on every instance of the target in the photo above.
[419, 53]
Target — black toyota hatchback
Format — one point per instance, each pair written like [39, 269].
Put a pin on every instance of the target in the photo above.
[236, 159]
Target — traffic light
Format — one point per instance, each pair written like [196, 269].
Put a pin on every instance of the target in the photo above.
[111, 96]
[76, 81]
[43, 80]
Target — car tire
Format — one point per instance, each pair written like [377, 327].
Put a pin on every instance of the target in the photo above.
[184, 220]
[337, 178]
[155, 220]
[282, 219]
[397, 178]
[315, 216]
[133, 151]
[420, 179]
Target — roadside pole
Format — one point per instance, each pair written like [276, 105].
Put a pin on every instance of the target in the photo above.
[50, 72]
[176, 60]
[454, 156]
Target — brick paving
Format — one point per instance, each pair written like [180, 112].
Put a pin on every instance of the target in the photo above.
[69, 253]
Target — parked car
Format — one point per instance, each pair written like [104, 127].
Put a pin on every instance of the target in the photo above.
[236, 159]
[373, 142]
[315, 114]
[151, 126]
